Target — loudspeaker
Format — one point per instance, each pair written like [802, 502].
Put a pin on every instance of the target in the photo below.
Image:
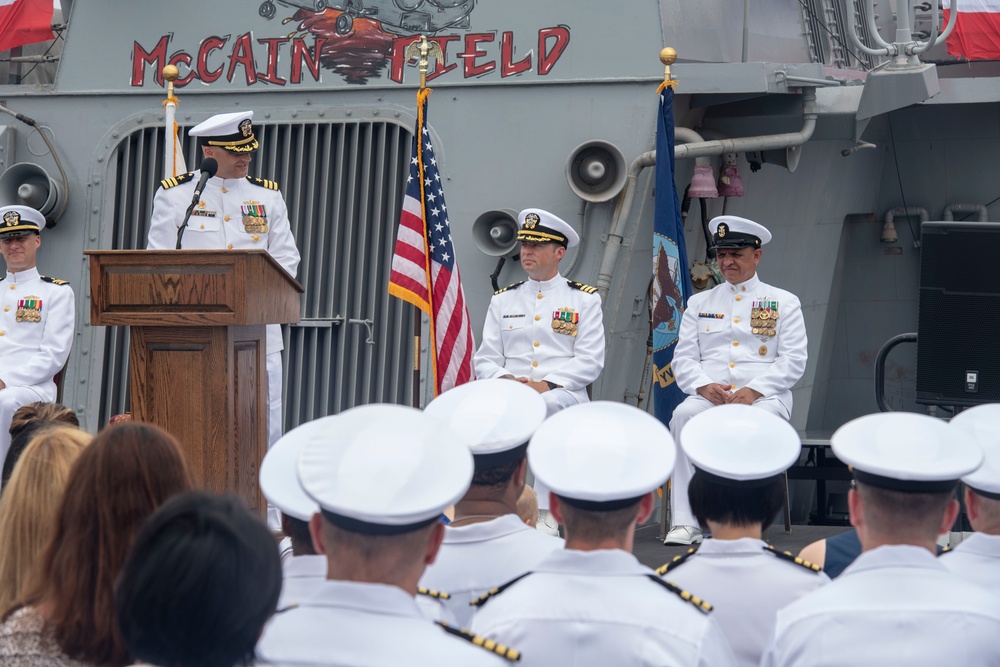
[495, 232]
[27, 184]
[958, 314]
[782, 157]
[596, 171]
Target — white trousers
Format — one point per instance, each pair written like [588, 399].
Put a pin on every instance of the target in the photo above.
[555, 400]
[680, 506]
[274, 422]
[11, 399]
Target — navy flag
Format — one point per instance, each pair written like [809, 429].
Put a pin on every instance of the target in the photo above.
[671, 278]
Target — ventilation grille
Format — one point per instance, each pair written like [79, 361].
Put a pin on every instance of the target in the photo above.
[343, 183]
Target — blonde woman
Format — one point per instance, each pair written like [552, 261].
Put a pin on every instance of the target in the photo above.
[29, 503]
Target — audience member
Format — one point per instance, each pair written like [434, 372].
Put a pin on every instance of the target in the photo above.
[28, 508]
[26, 421]
[198, 585]
[66, 616]
[527, 507]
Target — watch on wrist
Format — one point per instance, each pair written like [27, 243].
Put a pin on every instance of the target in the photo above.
[552, 385]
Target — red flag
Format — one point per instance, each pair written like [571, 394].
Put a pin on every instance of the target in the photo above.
[977, 30]
[424, 271]
[25, 22]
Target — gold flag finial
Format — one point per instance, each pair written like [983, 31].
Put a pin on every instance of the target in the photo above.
[171, 74]
[668, 57]
[423, 48]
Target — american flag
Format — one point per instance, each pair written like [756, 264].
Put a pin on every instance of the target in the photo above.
[424, 271]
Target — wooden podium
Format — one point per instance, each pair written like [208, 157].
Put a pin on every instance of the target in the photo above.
[197, 351]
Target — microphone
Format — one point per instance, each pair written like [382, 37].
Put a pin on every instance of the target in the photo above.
[209, 166]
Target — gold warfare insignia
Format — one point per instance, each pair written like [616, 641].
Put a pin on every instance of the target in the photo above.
[531, 220]
[762, 351]
[254, 217]
[722, 230]
[246, 128]
[201, 204]
[564, 321]
[29, 309]
[764, 321]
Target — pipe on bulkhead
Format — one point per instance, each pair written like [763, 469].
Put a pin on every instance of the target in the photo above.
[695, 149]
[964, 207]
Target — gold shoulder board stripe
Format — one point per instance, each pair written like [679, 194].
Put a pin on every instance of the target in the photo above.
[504, 651]
[699, 604]
[786, 556]
[168, 183]
[666, 567]
[431, 593]
[263, 182]
[54, 281]
[493, 592]
[580, 286]
[508, 287]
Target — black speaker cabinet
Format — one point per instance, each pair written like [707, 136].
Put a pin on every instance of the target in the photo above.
[958, 356]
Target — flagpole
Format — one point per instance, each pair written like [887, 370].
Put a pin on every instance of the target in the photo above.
[170, 143]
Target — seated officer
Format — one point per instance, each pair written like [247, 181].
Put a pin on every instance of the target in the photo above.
[593, 603]
[380, 475]
[897, 604]
[546, 332]
[742, 342]
[37, 319]
[736, 492]
[977, 558]
[487, 543]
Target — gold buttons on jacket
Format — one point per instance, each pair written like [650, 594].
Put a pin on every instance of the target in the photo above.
[224, 191]
[256, 237]
[739, 298]
[540, 296]
[538, 317]
[3, 333]
[534, 363]
[203, 226]
[536, 343]
[229, 247]
[13, 286]
[736, 343]
[226, 218]
[736, 320]
[732, 364]
[6, 308]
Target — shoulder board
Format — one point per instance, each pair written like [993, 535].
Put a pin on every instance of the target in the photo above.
[580, 286]
[699, 604]
[284, 609]
[168, 183]
[493, 592]
[54, 281]
[509, 287]
[263, 182]
[431, 593]
[666, 567]
[502, 650]
[787, 556]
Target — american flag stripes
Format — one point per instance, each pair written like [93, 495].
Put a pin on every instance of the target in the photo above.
[424, 271]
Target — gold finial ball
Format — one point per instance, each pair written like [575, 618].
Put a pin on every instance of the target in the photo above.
[171, 73]
[668, 56]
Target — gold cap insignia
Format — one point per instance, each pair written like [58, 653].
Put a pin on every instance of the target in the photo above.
[722, 230]
[12, 218]
[531, 220]
[246, 127]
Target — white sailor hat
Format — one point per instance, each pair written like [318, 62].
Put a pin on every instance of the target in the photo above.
[602, 455]
[904, 451]
[279, 479]
[20, 221]
[495, 418]
[383, 469]
[538, 226]
[983, 423]
[740, 445]
[231, 131]
[730, 231]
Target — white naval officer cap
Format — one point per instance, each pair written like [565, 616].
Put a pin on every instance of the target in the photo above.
[279, 479]
[383, 469]
[731, 231]
[495, 418]
[231, 131]
[908, 452]
[18, 220]
[983, 423]
[538, 226]
[740, 445]
[602, 455]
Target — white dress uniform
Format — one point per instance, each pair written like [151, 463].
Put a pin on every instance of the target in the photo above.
[717, 344]
[476, 558]
[747, 584]
[976, 559]
[895, 605]
[37, 324]
[601, 608]
[217, 223]
[364, 625]
[300, 575]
